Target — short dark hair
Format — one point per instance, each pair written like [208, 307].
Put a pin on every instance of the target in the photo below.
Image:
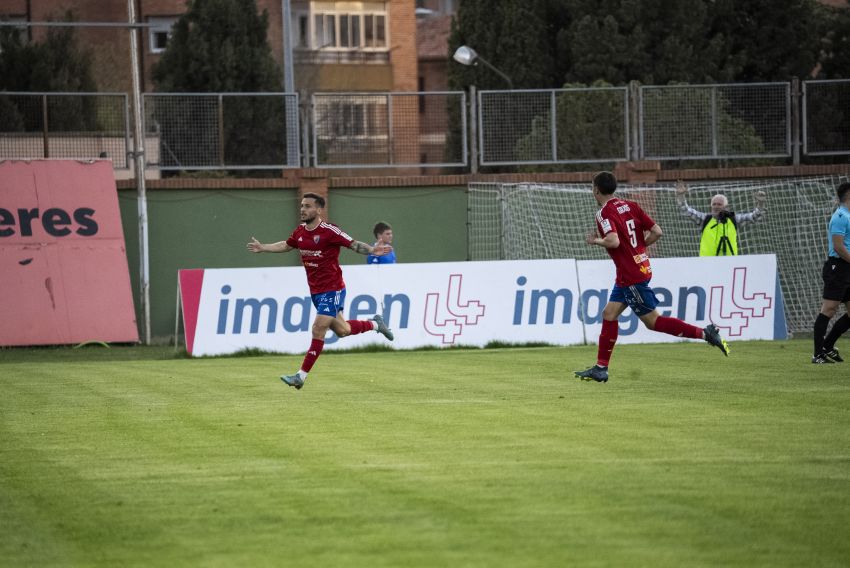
[380, 227]
[842, 191]
[320, 201]
[605, 182]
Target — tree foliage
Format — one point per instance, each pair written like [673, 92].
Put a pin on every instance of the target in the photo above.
[652, 42]
[220, 46]
[515, 36]
[56, 64]
[835, 42]
[547, 43]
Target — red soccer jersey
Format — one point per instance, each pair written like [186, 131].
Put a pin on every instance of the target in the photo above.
[629, 221]
[319, 250]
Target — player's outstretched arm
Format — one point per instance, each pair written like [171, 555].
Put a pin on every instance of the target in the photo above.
[256, 246]
[362, 248]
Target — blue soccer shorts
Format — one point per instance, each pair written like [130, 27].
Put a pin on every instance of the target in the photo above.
[639, 297]
[329, 303]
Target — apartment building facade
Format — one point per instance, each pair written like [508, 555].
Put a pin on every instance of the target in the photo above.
[337, 46]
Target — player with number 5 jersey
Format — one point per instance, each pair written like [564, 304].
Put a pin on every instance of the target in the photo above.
[629, 221]
[625, 231]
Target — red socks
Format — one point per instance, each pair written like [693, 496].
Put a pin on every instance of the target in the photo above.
[316, 346]
[670, 326]
[673, 326]
[360, 326]
[312, 354]
[607, 339]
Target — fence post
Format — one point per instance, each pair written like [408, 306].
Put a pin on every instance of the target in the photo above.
[553, 125]
[633, 122]
[714, 149]
[390, 137]
[221, 130]
[795, 120]
[44, 136]
[473, 130]
[306, 120]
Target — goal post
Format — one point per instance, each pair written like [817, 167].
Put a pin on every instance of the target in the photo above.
[515, 221]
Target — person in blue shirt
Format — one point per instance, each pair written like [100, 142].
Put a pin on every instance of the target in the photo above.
[383, 236]
[836, 282]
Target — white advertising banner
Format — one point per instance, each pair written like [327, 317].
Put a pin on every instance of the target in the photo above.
[739, 294]
[559, 302]
[437, 304]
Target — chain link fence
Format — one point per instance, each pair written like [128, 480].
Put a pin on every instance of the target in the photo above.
[233, 131]
[826, 117]
[553, 126]
[65, 125]
[355, 130]
[244, 131]
[715, 121]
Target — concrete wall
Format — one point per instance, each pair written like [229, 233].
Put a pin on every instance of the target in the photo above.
[209, 227]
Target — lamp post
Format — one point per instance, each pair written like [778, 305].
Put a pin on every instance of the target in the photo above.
[465, 55]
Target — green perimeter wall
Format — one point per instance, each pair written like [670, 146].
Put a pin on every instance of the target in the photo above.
[208, 228]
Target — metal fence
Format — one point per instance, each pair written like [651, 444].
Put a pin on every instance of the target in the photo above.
[234, 131]
[65, 125]
[551, 126]
[826, 117]
[357, 130]
[715, 121]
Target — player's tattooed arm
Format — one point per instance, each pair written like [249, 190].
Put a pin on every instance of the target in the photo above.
[360, 247]
[363, 248]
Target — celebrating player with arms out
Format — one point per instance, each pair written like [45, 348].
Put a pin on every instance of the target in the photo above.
[626, 232]
[319, 243]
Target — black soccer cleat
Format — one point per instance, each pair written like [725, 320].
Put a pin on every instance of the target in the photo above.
[595, 373]
[712, 336]
[821, 360]
[833, 355]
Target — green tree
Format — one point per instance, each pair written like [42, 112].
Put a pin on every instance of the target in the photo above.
[516, 36]
[519, 38]
[651, 41]
[766, 40]
[220, 46]
[57, 64]
[589, 126]
[835, 45]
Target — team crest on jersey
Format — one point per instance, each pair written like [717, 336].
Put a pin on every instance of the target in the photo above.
[316, 239]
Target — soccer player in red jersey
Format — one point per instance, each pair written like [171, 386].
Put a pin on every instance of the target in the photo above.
[319, 243]
[626, 232]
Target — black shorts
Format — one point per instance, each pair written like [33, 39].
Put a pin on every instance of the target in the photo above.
[836, 280]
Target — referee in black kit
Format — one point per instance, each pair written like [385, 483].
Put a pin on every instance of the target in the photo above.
[836, 282]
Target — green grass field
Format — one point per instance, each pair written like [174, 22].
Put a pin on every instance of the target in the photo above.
[498, 457]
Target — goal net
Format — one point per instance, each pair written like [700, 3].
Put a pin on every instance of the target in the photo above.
[516, 221]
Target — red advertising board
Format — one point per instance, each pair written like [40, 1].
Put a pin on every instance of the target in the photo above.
[63, 262]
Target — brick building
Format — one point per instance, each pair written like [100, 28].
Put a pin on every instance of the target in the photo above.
[337, 46]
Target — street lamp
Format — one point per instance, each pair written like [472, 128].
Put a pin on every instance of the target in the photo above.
[465, 55]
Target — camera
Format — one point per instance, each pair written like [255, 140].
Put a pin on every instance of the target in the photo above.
[724, 215]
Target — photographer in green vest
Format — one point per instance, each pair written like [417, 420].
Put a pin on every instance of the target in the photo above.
[719, 229]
